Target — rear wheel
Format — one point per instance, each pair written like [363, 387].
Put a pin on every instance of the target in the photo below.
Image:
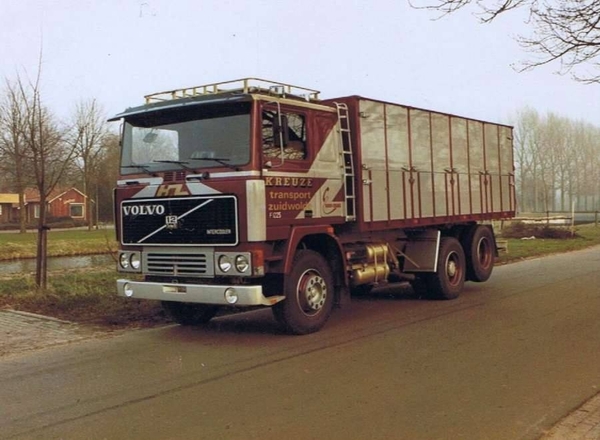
[480, 253]
[189, 313]
[308, 295]
[449, 279]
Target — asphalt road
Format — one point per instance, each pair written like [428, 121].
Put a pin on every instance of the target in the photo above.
[506, 360]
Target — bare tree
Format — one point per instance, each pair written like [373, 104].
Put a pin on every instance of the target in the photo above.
[557, 162]
[108, 173]
[586, 193]
[489, 9]
[12, 146]
[88, 136]
[45, 145]
[563, 31]
[527, 121]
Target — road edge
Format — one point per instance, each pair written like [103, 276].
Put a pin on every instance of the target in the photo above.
[581, 424]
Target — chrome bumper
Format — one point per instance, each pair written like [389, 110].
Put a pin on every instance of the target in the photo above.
[196, 293]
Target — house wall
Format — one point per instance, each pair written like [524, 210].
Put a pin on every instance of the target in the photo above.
[70, 204]
[5, 212]
[29, 209]
[9, 213]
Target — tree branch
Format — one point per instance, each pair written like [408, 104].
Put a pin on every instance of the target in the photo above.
[563, 31]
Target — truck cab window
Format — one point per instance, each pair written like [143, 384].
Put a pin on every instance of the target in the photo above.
[291, 130]
[173, 139]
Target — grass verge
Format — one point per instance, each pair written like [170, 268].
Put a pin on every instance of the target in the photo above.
[81, 296]
[60, 243]
[527, 247]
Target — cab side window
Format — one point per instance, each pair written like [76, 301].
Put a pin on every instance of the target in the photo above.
[290, 129]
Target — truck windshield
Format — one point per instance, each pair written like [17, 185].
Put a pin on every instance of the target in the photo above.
[187, 138]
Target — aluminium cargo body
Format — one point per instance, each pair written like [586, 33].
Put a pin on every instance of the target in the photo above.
[420, 167]
[255, 193]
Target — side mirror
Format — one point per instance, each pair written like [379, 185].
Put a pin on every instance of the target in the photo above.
[281, 134]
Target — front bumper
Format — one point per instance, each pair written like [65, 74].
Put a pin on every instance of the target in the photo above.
[196, 293]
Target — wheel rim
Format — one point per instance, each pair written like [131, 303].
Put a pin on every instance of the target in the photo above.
[311, 292]
[453, 269]
[484, 252]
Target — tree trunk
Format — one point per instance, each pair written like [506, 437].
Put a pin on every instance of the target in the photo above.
[22, 213]
[88, 206]
[42, 247]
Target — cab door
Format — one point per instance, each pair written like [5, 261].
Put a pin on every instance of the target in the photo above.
[301, 164]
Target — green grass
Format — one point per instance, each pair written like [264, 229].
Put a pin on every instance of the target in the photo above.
[60, 243]
[81, 296]
[519, 249]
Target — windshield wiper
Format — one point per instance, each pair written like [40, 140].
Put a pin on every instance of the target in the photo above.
[141, 167]
[181, 163]
[220, 160]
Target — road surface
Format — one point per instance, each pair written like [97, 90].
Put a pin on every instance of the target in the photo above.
[506, 360]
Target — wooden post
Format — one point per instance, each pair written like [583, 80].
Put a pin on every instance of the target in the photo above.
[573, 220]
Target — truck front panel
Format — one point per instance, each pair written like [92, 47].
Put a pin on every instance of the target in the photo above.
[181, 221]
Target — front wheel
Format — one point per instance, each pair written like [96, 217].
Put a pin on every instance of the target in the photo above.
[189, 313]
[308, 295]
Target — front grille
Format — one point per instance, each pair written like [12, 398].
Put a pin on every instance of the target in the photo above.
[178, 264]
[180, 221]
[173, 176]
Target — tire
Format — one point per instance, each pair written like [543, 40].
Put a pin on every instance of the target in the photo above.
[480, 253]
[449, 279]
[189, 313]
[309, 295]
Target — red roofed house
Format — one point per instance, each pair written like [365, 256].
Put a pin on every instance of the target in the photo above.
[60, 202]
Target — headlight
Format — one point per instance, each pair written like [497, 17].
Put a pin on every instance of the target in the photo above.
[124, 260]
[242, 263]
[135, 261]
[224, 263]
[231, 296]
[127, 290]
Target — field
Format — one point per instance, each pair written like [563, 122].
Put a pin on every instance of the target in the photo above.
[527, 247]
[60, 243]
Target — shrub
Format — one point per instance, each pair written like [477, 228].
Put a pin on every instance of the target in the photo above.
[521, 230]
[8, 226]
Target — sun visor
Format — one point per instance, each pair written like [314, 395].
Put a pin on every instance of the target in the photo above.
[134, 111]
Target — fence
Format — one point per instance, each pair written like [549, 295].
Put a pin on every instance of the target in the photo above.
[555, 217]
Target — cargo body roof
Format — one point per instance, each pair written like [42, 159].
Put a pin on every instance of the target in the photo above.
[330, 101]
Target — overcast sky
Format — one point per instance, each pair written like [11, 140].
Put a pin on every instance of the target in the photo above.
[116, 51]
